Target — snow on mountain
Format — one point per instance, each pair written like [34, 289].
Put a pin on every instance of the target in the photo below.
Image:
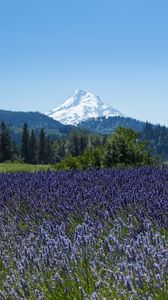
[80, 106]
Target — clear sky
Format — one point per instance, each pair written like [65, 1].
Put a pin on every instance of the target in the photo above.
[117, 49]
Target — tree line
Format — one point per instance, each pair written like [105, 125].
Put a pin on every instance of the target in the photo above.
[7, 146]
[123, 148]
[36, 147]
[158, 137]
[32, 150]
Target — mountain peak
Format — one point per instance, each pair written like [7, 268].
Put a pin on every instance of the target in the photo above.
[79, 92]
[82, 105]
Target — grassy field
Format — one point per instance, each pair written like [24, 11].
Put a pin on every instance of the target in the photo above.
[13, 167]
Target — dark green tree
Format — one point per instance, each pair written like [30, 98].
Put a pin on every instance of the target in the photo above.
[15, 151]
[91, 158]
[158, 137]
[49, 151]
[125, 148]
[25, 150]
[33, 148]
[73, 144]
[6, 151]
[59, 150]
[42, 147]
[82, 141]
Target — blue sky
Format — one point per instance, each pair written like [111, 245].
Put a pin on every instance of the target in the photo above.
[117, 49]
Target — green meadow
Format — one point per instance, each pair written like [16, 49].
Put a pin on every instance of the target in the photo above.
[12, 167]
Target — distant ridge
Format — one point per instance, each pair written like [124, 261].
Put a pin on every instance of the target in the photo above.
[103, 125]
[33, 119]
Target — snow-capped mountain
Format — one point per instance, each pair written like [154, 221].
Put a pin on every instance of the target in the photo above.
[80, 106]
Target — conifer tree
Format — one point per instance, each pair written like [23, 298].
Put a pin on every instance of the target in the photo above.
[33, 148]
[5, 143]
[25, 150]
[15, 151]
[83, 141]
[42, 147]
[59, 150]
[73, 144]
[49, 151]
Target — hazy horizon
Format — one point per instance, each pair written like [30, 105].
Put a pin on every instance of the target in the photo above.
[117, 50]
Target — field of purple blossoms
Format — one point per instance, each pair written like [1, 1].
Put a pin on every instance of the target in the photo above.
[97, 234]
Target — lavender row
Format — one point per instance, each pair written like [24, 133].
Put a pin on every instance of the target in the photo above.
[63, 196]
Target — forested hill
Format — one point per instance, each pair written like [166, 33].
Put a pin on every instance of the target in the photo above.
[34, 120]
[105, 125]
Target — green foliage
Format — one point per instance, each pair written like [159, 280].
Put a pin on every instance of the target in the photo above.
[25, 149]
[92, 158]
[6, 151]
[36, 148]
[49, 151]
[68, 163]
[123, 148]
[89, 159]
[59, 150]
[14, 167]
[42, 147]
[73, 144]
[33, 148]
[80, 150]
[158, 137]
[77, 143]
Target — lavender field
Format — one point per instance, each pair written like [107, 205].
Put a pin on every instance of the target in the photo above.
[97, 234]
